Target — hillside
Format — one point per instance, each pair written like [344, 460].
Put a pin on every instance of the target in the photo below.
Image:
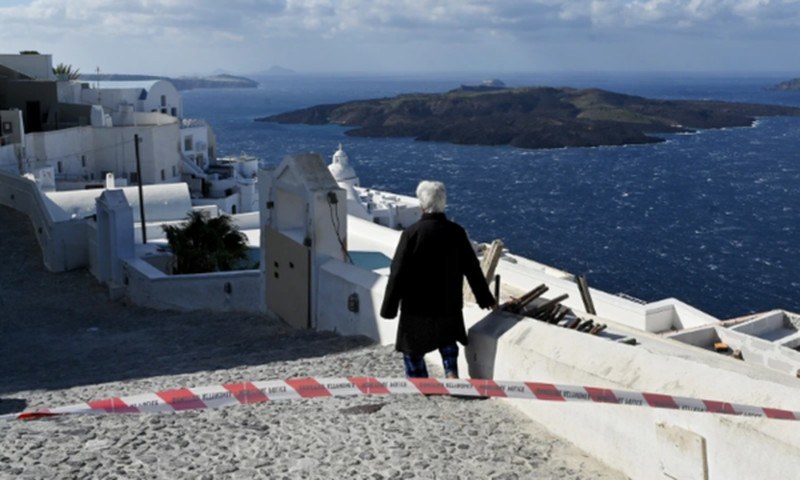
[530, 117]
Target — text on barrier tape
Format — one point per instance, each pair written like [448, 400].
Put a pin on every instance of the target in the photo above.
[216, 396]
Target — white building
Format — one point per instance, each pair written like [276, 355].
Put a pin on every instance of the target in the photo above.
[197, 141]
[384, 208]
[39, 66]
[230, 183]
[146, 96]
[82, 156]
[73, 133]
[198, 144]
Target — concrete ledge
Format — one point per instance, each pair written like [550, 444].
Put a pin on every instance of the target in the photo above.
[221, 291]
[503, 347]
[661, 316]
[63, 244]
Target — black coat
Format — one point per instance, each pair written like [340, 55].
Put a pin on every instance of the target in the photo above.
[427, 276]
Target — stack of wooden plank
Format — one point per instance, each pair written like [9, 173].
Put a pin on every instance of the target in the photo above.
[533, 305]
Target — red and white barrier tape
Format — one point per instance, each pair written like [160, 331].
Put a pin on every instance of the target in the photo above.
[216, 396]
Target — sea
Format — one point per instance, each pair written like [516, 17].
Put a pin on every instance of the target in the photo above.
[711, 218]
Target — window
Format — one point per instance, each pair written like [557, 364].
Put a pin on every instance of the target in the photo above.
[188, 143]
[174, 112]
[163, 100]
[83, 160]
[133, 177]
[164, 110]
[8, 127]
[60, 168]
[174, 171]
[163, 175]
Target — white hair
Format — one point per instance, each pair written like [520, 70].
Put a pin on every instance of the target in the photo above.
[432, 196]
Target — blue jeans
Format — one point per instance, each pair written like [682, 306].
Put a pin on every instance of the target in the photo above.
[415, 365]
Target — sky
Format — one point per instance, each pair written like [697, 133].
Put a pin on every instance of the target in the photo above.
[191, 37]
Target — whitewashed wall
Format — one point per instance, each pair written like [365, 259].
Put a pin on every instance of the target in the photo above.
[36, 66]
[12, 119]
[63, 244]
[64, 147]
[111, 94]
[85, 153]
[8, 157]
[660, 316]
[166, 202]
[199, 144]
[238, 291]
[337, 282]
[645, 442]
[153, 100]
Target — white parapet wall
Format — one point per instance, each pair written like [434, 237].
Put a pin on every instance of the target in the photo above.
[672, 314]
[162, 202]
[63, 243]
[238, 291]
[641, 441]
[662, 316]
[350, 298]
[364, 235]
[769, 340]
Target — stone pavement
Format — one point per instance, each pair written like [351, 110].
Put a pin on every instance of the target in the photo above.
[62, 341]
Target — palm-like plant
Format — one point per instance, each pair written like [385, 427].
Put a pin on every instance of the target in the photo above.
[203, 244]
[67, 71]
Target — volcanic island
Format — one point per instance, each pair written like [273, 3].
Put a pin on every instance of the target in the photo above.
[530, 117]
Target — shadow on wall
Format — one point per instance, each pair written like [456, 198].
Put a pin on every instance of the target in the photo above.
[483, 337]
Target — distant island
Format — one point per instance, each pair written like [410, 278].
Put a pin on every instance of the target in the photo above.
[530, 117]
[793, 84]
[277, 70]
[181, 83]
[485, 86]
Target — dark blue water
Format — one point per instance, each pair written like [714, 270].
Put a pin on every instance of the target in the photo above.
[710, 218]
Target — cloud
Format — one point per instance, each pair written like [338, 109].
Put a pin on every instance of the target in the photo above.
[134, 18]
[315, 31]
[411, 17]
[696, 15]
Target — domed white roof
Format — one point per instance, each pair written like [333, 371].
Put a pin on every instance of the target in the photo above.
[340, 167]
